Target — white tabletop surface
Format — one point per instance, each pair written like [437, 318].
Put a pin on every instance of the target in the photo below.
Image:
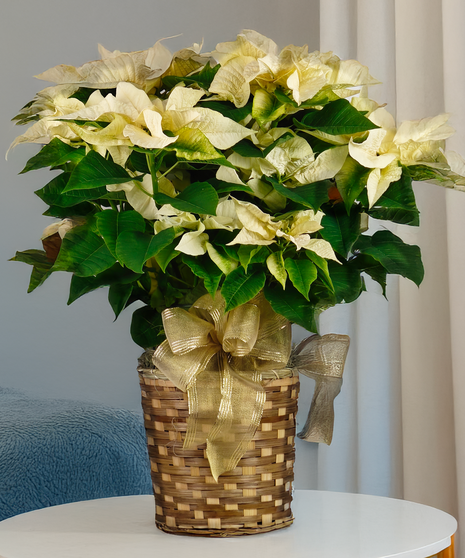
[327, 525]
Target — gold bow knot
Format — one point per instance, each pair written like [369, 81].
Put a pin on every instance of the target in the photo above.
[217, 357]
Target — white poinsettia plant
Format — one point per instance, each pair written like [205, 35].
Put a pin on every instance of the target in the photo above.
[241, 170]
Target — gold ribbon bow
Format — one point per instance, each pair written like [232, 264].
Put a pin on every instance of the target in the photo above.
[321, 358]
[218, 358]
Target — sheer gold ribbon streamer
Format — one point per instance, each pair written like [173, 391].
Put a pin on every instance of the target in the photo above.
[217, 358]
[321, 358]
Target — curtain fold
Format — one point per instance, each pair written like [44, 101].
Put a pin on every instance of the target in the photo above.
[368, 409]
[427, 409]
[400, 428]
[453, 21]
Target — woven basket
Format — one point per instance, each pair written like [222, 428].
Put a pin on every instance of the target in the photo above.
[253, 498]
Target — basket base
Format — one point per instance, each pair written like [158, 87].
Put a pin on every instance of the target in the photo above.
[223, 533]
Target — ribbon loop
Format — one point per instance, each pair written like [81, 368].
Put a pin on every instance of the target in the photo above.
[213, 310]
[241, 330]
[182, 369]
[176, 322]
[273, 351]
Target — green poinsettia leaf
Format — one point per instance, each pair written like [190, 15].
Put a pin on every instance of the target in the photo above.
[246, 148]
[320, 99]
[283, 98]
[422, 173]
[138, 162]
[324, 96]
[348, 285]
[53, 193]
[401, 216]
[41, 269]
[249, 254]
[378, 274]
[193, 145]
[54, 154]
[83, 252]
[351, 180]
[286, 136]
[32, 257]
[397, 204]
[192, 295]
[373, 268]
[38, 277]
[266, 107]
[199, 197]
[240, 287]
[133, 249]
[222, 239]
[222, 187]
[312, 196]
[224, 260]
[116, 274]
[336, 118]
[203, 78]
[203, 267]
[111, 223]
[322, 265]
[79, 210]
[94, 171]
[275, 265]
[229, 110]
[393, 254]
[302, 273]
[341, 230]
[118, 297]
[166, 255]
[317, 144]
[83, 93]
[147, 327]
[94, 123]
[293, 306]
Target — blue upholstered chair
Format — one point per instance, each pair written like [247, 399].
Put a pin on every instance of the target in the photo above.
[59, 451]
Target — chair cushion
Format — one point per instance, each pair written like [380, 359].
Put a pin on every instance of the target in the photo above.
[55, 451]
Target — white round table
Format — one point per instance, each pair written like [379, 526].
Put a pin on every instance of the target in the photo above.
[327, 525]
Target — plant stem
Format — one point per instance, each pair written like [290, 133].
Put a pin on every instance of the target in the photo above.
[178, 280]
[169, 170]
[153, 169]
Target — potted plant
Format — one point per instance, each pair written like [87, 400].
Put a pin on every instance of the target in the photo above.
[230, 194]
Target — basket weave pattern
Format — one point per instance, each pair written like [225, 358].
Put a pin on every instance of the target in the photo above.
[255, 497]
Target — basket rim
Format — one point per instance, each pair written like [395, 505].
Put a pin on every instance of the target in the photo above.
[155, 374]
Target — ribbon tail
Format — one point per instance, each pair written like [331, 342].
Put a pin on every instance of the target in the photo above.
[204, 398]
[196, 373]
[239, 416]
[320, 420]
[323, 359]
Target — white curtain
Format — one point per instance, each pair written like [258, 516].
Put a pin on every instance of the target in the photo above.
[400, 419]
